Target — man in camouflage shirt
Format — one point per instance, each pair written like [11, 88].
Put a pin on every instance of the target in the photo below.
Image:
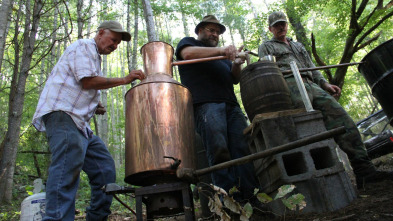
[322, 96]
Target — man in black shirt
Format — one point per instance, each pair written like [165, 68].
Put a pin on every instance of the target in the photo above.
[218, 117]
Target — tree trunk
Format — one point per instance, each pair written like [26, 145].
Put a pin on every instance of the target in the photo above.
[135, 43]
[16, 104]
[103, 119]
[183, 18]
[254, 11]
[4, 14]
[359, 34]
[168, 31]
[14, 79]
[79, 6]
[53, 52]
[295, 20]
[129, 50]
[148, 12]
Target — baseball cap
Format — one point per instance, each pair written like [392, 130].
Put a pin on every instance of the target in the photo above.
[277, 17]
[115, 27]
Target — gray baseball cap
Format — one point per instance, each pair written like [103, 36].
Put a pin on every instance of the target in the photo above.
[277, 17]
[115, 27]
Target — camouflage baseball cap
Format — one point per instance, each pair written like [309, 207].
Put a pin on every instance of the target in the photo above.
[115, 27]
[277, 17]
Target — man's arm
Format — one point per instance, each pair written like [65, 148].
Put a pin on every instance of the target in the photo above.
[262, 51]
[332, 89]
[194, 52]
[105, 83]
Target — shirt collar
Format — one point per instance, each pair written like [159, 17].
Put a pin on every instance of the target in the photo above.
[288, 39]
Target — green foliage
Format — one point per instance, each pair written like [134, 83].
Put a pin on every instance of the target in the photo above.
[293, 202]
[263, 197]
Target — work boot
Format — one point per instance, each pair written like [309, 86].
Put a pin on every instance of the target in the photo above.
[371, 175]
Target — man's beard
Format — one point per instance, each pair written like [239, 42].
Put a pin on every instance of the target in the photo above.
[210, 42]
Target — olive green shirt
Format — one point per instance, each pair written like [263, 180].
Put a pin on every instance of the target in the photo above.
[284, 54]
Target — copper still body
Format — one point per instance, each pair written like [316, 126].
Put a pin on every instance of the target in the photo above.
[159, 133]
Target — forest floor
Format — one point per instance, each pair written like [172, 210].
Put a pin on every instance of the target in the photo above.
[374, 202]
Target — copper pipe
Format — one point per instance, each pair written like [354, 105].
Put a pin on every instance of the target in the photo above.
[322, 67]
[197, 60]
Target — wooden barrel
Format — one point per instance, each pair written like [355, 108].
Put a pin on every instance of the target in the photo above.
[264, 89]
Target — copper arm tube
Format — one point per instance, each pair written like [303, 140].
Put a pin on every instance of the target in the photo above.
[192, 61]
[322, 67]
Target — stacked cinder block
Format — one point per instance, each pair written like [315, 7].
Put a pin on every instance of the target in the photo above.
[314, 169]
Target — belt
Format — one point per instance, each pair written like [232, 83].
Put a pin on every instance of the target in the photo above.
[305, 78]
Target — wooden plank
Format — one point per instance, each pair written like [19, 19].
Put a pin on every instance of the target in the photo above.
[258, 118]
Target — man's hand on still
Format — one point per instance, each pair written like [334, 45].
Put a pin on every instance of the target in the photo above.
[240, 56]
[133, 75]
[101, 110]
[233, 54]
[229, 51]
[332, 89]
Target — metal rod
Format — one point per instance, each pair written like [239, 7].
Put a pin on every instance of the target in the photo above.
[125, 205]
[197, 60]
[301, 87]
[251, 53]
[274, 150]
[322, 67]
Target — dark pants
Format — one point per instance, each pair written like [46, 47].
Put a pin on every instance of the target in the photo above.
[221, 127]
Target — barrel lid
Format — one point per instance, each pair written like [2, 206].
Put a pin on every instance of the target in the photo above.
[376, 49]
[377, 64]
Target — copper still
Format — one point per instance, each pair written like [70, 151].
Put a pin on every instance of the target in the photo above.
[159, 133]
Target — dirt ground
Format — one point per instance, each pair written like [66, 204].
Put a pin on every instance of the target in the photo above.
[374, 202]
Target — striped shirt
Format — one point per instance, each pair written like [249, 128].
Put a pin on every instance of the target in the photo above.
[63, 90]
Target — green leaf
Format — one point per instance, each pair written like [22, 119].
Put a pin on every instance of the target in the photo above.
[233, 190]
[247, 209]
[232, 205]
[264, 198]
[295, 202]
[284, 190]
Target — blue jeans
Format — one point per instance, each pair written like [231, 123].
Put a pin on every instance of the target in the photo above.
[221, 127]
[71, 153]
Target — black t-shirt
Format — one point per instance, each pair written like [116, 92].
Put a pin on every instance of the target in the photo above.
[209, 81]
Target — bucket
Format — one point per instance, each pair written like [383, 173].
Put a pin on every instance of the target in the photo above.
[264, 89]
[377, 69]
[33, 207]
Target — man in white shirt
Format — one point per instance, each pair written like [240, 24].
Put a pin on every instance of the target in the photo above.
[68, 101]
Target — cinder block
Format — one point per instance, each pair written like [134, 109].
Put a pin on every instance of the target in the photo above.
[322, 194]
[315, 169]
[314, 160]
